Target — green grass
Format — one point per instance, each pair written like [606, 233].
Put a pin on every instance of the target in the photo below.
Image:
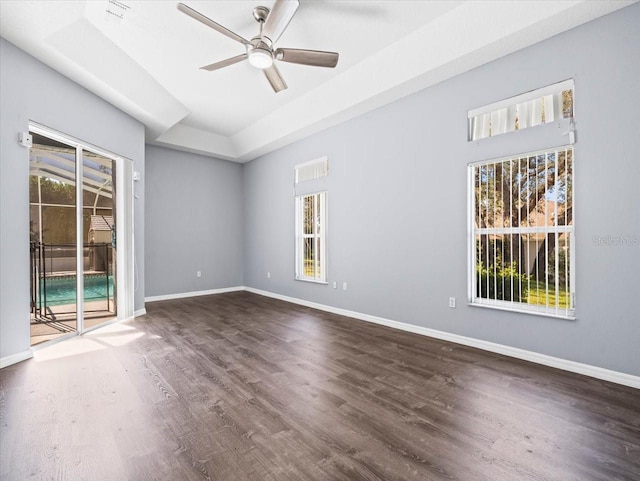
[538, 295]
[308, 267]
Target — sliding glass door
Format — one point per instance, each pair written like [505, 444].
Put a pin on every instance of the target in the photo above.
[53, 227]
[74, 228]
[99, 237]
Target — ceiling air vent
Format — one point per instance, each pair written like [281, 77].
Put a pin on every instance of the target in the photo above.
[115, 11]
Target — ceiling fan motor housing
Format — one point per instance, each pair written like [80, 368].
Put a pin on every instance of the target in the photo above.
[260, 52]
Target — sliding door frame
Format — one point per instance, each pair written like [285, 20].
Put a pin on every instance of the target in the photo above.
[80, 240]
[124, 227]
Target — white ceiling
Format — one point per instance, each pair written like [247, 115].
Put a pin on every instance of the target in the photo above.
[147, 64]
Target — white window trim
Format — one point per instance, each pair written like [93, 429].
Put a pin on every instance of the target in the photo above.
[299, 238]
[472, 300]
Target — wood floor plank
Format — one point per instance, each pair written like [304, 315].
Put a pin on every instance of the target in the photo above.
[242, 387]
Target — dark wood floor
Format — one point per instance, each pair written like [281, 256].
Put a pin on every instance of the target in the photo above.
[242, 387]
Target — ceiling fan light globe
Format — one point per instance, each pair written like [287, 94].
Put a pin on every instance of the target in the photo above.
[260, 58]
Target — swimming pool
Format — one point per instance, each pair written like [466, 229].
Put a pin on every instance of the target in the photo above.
[62, 290]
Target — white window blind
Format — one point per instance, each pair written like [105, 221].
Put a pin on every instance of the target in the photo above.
[540, 106]
[522, 233]
[311, 230]
[314, 169]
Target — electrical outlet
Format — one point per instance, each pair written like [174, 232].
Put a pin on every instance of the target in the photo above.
[335, 285]
[452, 302]
[198, 274]
[268, 275]
[344, 286]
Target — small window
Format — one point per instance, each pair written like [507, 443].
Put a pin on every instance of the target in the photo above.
[522, 233]
[547, 104]
[311, 230]
[314, 169]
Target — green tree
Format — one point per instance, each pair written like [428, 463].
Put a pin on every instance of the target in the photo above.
[517, 194]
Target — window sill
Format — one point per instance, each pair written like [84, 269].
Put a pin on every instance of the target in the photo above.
[313, 281]
[569, 317]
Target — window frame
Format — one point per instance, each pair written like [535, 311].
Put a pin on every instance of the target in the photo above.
[300, 236]
[311, 170]
[569, 230]
[527, 107]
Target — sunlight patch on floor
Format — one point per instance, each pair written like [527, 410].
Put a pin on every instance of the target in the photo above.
[116, 334]
[71, 347]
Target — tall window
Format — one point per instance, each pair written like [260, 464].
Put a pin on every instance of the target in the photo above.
[522, 248]
[311, 229]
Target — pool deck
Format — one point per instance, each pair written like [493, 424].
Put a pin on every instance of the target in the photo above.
[64, 320]
[55, 274]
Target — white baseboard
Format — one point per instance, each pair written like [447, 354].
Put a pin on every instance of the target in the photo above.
[181, 295]
[559, 363]
[15, 358]
[140, 312]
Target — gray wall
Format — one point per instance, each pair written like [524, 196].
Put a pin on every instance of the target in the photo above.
[193, 222]
[29, 90]
[398, 201]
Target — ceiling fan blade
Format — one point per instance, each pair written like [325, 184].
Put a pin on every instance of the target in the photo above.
[210, 23]
[224, 63]
[315, 58]
[275, 78]
[278, 19]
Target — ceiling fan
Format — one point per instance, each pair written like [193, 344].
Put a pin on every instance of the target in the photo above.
[260, 50]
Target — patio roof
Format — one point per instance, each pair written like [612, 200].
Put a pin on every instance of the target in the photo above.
[59, 164]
